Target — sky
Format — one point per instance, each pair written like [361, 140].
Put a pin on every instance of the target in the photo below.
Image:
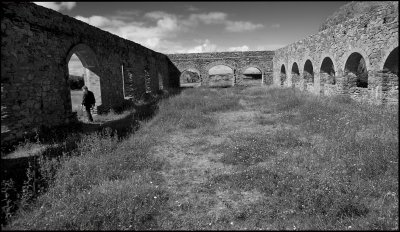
[196, 27]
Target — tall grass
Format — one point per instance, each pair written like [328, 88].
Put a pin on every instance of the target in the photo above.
[107, 184]
[330, 163]
[347, 178]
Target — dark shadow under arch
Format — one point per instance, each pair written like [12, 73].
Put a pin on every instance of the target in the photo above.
[295, 74]
[283, 75]
[327, 72]
[356, 71]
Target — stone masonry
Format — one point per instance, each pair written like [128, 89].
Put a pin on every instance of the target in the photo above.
[358, 57]
[36, 46]
[237, 61]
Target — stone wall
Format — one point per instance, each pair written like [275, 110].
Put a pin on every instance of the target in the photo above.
[351, 51]
[237, 61]
[36, 46]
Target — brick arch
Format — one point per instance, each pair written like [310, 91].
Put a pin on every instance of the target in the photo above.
[346, 56]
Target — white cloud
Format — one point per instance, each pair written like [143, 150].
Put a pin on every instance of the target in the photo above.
[241, 49]
[239, 26]
[166, 26]
[210, 18]
[57, 6]
[206, 46]
[157, 29]
[221, 18]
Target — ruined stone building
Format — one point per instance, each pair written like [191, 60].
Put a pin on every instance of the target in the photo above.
[358, 56]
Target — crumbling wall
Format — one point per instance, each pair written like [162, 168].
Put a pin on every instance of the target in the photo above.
[373, 36]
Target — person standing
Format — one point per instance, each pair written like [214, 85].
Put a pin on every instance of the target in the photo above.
[88, 101]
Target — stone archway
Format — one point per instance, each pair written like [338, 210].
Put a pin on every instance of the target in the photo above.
[295, 75]
[390, 78]
[282, 76]
[91, 70]
[308, 75]
[355, 71]
[254, 78]
[189, 77]
[227, 80]
[327, 76]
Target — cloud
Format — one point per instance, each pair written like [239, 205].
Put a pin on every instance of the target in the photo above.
[240, 26]
[151, 36]
[125, 14]
[239, 49]
[158, 29]
[206, 46]
[57, 6]
[221, 18]
[209, 18]
[277, 25]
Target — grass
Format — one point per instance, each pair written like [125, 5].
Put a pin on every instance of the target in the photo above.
[237, 158]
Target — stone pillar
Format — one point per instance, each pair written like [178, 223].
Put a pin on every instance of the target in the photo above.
[317, 83]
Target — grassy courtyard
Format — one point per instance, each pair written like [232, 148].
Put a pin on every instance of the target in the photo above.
[232, 159]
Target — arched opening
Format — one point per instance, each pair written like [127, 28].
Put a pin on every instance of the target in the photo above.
[392, 62]
[356, 71]
[190, 78]
[327, 72]
[283, 75]
[295, 75]
[327, 76]
[308, 75]
[82, 65]
[221, 76]
[390, 77]
[252, 76]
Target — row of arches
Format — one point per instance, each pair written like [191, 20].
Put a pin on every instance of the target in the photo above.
[221, 75]
[355, 72]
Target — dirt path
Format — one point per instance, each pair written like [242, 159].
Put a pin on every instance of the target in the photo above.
[194, 161]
